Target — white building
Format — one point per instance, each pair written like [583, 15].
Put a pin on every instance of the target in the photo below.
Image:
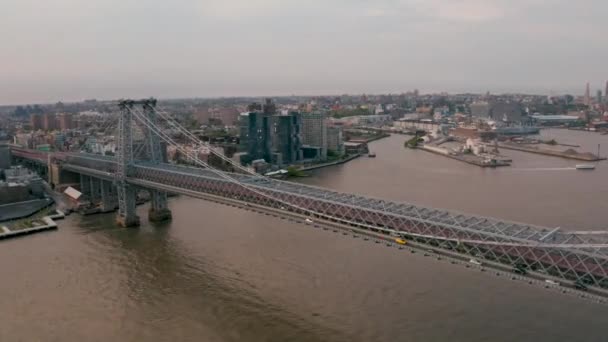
[335, 139]
[314, 131]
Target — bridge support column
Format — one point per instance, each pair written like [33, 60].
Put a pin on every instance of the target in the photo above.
[109, 201]
[127, 215]
[85, 186]
[95, 190]
[159, 210]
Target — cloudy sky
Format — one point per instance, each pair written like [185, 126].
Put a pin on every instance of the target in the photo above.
[74, 49]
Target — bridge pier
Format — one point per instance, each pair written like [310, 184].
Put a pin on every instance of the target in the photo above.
[159, 210]
[95, 188]
[85, 186]
[109, 201]
[127, 215]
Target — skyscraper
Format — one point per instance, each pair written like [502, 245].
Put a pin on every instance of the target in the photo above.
[587, 100]
[258, 136]
[599, 96]
[606, 93]
[314, 131]
[287, 137]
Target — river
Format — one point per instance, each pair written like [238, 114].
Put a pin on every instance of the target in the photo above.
[219, 274]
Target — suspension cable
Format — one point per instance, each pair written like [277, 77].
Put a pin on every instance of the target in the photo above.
[197, 141]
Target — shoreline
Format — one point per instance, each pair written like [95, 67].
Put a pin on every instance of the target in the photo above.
[551, 153]
[337, 162]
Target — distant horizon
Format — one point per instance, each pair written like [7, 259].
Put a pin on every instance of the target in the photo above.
[336, 94]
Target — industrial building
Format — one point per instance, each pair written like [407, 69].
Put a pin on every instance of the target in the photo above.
[497, 111]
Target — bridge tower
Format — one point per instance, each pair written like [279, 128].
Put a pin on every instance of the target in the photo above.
[127, 194]
[127, 216]
[159, 210]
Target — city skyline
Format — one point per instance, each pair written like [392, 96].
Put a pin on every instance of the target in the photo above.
[71, 51]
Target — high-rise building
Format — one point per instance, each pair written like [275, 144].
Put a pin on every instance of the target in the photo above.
[269, 107]
[65, 121]
[335, 139]
[243, 123]
[288, 137]
[49, 122]
[599, 96]
[314, 131]
[587, 100]
[36, 122]
[606, 93]
[255, 136]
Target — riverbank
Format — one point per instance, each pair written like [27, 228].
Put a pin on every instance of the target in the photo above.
[46, 223]
[568, 154]
[332, 163]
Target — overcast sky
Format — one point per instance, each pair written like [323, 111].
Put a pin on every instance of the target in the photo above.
[70, 50]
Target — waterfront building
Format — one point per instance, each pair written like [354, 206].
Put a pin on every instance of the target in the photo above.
[287, 137]
[256, 139]
[243, 124]
[314, 132]
[335, 139]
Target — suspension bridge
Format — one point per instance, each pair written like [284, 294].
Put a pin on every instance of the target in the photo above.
[575, 257]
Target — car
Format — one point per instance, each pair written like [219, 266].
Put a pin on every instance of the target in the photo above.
[518, 270]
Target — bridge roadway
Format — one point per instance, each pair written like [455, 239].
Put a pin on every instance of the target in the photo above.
[581, 256]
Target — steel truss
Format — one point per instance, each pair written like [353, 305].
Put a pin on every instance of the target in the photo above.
[576, 256]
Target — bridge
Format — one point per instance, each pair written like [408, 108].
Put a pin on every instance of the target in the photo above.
[575, 257]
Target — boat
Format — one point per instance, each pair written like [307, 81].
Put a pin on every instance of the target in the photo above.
[308, 220]
[475, 262]
[585, 167]
[400, 241]
[551, 282]
[371, 155]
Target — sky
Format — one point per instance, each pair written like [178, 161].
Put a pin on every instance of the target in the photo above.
[71, 50]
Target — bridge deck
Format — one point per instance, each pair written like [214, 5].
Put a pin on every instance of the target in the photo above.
[569, 254]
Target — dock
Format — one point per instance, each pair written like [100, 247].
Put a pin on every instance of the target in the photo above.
[562, 154]
[466, 158]
[49, 224]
